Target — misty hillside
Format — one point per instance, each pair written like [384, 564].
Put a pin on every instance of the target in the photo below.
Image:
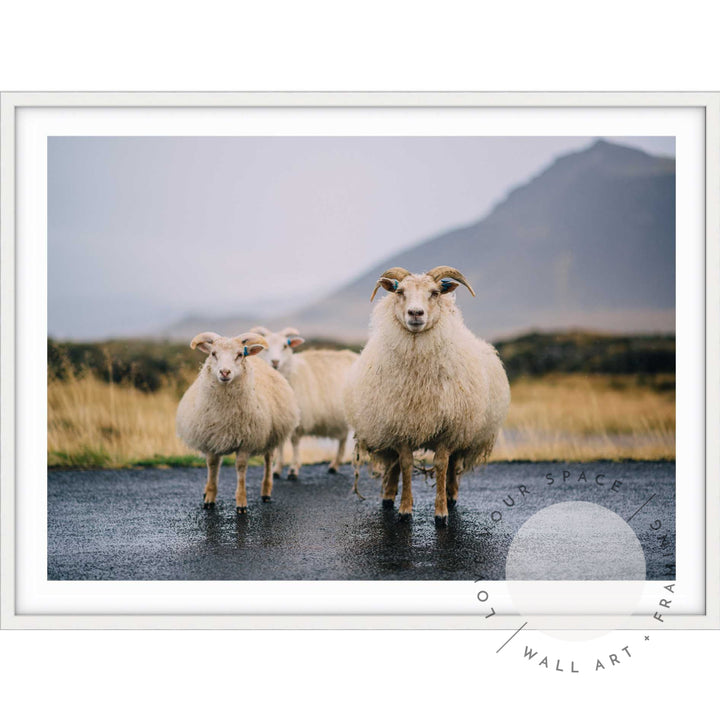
[590, 242]
[191, 325]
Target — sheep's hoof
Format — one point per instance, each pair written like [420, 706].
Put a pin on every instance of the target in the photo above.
[332, 470]
[266, 498]
[388, 504]
[441, 521]
[405, 517]
[209, 505]
[451, 504]
[242, 510]
[276, 476]
[292, 475]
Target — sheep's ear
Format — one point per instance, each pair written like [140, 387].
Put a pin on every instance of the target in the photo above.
[253, 349]
[294, 342]
[447, 286]
[204, 341]
[386, 284]
[249, 339]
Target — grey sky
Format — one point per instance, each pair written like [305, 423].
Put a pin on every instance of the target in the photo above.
[143, 231]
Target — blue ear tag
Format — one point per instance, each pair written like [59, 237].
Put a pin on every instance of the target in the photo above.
[395, 285]
[245, 351]
[289, 341]
[446, 285]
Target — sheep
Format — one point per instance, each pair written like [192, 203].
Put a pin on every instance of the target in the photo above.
[237, 404]
[317, 377]
[424, 381]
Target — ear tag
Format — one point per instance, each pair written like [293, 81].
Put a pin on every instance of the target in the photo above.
[245, 351]
[445, 285]
[395, 284]
[289, 341]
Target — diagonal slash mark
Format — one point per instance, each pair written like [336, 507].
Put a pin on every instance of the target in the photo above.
[641, 507]
[511, 637]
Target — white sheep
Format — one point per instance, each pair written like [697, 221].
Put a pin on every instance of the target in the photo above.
[237, 404]
[424, 381]
[318, 378]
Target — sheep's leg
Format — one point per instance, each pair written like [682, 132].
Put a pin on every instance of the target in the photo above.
[335, 464]
[211, 486]
[241, 463]
[267, 483]
[356, 468]
[406, 468]
[442, 458]
[279, 460]
[391, 475]
[295, 467]
[453, 483]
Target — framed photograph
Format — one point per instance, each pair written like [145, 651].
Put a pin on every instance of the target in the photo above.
[360, 360]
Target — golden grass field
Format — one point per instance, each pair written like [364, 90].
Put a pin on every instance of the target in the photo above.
[570, 417]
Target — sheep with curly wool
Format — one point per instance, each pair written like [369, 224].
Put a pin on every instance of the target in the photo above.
[237, 404]
[425, 382]
[318, 378]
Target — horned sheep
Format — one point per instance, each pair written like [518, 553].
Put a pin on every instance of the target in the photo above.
[237, 404]
[318, 378]
[424, 381]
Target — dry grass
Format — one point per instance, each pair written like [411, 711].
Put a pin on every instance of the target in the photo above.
[566, 417]
[91, 422]
[590, 417]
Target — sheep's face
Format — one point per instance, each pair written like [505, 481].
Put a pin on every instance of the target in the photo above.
[280, 347]
[417, 300]
[226, 356]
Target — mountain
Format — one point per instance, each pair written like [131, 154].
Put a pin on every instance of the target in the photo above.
[191, 325]
[589, 242]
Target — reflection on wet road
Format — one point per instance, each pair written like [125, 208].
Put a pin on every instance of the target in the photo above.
[149, 524]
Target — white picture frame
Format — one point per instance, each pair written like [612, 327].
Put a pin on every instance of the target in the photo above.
[23, 124]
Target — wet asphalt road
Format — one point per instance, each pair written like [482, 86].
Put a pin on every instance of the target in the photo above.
[149, 524]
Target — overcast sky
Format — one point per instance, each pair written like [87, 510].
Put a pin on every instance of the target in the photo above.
[142, 231]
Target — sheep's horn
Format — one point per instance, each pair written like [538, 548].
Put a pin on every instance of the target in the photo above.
[395, 273]
[445, 271]
[289, 331]
[260, 330]
[252, 338]
[206, 337]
